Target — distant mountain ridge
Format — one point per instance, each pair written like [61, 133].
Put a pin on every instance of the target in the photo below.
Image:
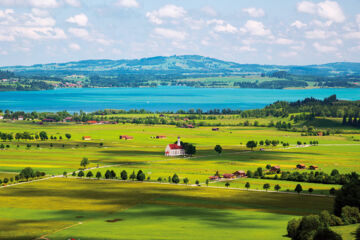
[184, 64]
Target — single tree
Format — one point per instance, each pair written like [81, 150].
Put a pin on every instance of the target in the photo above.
[277, 187]
[140, 176]
[27, 173]
[175, 178]
[251, 145]
[107, 174]
[186, 181]
[73, 174]
[159, 179]
[207, 182]
[227, 184]
[84, 162]
[218, 149]
[332, 191]
[98, 175]
[298, 189]
[6, 180]
[197, 182]
[123, 175]
[247, 185]
[311, 190]
[64, 174]
[266, 186]
[89, 174]
[81, 174]
[68, 136]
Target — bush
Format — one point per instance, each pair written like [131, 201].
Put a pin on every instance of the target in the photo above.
[326, 234]
[308, 226]
[175, 179]
[328, 219]
[357, 234]
[292, 227]
[350, 215]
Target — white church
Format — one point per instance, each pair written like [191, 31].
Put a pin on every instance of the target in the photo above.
[175, 149]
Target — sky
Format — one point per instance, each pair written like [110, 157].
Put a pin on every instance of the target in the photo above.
[285, 32]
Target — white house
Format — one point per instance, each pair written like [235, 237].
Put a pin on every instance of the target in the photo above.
[174, 149]
[1, 117]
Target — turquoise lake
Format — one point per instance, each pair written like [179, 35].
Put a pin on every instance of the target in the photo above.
[159, 99]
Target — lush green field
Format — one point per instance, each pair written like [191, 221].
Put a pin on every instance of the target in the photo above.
[178, 212]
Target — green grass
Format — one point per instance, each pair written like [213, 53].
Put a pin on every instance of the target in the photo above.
[347, 232]
[32, 210]
[158, 210]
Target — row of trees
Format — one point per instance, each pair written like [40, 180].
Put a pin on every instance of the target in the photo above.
[30, 136]
[351, 121]
[317, 227]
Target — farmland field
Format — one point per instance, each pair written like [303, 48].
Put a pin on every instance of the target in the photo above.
[60, 208]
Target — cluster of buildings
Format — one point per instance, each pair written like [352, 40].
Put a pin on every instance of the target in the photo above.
[237, 174]
[303, 166]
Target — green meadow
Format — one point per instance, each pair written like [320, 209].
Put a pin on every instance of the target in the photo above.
[61, 208]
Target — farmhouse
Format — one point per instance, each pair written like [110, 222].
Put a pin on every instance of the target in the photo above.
[86, 138]
[160, 137]
[213, 178]
[67, 119]
[275, 169]
[92, 122]
[313, 167]
[228, 175]
[240, 174]
[20, 118]
[215, 129]
[300, 166]
[1, 117]
[175, 149]
[126, 137]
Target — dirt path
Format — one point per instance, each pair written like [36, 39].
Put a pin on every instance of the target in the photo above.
[59, 230]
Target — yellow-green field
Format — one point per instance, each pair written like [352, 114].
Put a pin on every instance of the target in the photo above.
[41, 208]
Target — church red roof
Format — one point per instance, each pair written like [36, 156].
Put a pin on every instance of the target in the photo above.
[175, 146]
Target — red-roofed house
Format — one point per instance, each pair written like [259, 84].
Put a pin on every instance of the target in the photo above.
[86, 138]
[228, 175]
[300, 166]
[240, 174]
[175, 149]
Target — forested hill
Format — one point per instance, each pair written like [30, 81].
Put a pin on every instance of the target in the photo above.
[187, 64]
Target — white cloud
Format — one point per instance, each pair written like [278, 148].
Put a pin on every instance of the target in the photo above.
[255, 12]
[322, 24]
[168, 11]
[327, 9]
[30, 3]
[80, 20]
[74, 46]
[39, 32]
[288, 54]
[73, 3]
[358, 19]
[255, 28]
[39, 21]
[324, 48]
[209, 11]
[337, 42]
[331, 10]
[128, 3]
[170, 33]
[39, 12]
[298, 24]
[222, 26]
[352, 35]
[319, 34]
[79, 32]
[245, 49]
[6, 38]
[284, 41]
[306, 7]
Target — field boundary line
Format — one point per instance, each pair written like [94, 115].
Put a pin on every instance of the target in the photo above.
[59, 230]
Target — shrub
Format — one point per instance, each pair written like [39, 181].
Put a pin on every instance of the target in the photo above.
[357, 234]
[175, 179]
[326, 234]
[292, 227]
[350, 215]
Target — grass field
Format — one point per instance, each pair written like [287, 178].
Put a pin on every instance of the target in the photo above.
[177, 212]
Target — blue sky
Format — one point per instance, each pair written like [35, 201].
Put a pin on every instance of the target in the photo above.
[256, 31]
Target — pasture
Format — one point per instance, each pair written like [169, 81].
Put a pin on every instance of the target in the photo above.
[108, 209]
[99, 209]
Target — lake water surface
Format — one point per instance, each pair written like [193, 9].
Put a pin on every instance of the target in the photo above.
[159, 99]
